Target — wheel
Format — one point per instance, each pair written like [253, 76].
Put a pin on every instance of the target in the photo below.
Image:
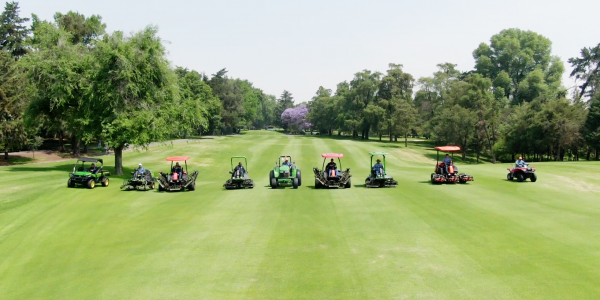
[520, 177]
[91, 184]
[273, 182]
[192, 186]
[295, 183]
[105, 182]
[432, 174]
[348, 184]
[160, 188]
[317, 184]
[533, 177]
[70, 183]
[271, 174]
[509, 176]
[299, 176]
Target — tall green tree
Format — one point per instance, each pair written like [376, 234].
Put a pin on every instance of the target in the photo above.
[200, 110]
[133, 92]
[395, 87]
[323, 111]
[83, 30]
[587, 69]
[13, 102]
[404, 119]
[515, 54]
[592, 125]
[57, 72]
[13, 31]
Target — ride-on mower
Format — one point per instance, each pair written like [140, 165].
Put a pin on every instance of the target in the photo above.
[379, 178]
[285, 174]
[177, 181]
[239, 180]
[522, 173]
[142, 182]
[332, 178]
[452, 176]
[89, 178]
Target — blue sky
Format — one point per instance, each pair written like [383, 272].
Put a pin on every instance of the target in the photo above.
[301, 45]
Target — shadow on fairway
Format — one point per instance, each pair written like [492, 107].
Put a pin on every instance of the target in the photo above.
[360, 185]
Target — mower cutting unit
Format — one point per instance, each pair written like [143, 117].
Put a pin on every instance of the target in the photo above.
[522, 174]
[332, 178]
[82, 174]
[452, 176]
[140, 182]
[174, 181]
[284, 175]
[237, 180]
[380, 179]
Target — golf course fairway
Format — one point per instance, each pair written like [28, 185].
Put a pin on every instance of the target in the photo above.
[488, 239]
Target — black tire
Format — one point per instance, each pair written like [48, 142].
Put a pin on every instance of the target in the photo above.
[295, 183]
[271, 174]
[299, 176]
[90, 184]
[509, 176]
[432, 174]
[192, 186]
[317, 184]
[160, 188]
[520, 177]
[70, 184]
[273, 182]
[533, 177]
[105, 182]
[348, 184]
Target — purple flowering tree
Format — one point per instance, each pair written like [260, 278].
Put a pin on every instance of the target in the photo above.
[295, 118]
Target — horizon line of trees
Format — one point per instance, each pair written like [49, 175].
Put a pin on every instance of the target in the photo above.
[68, 78]
[512, 103]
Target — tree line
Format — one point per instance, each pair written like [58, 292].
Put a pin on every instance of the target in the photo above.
[70, 79]
[512, 103]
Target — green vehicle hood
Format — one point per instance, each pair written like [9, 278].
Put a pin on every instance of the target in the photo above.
[82, 173]
[284, 168]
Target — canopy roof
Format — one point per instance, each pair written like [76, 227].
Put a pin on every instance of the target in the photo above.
[88, 159]
[178, 158]
[378, 153]
[448, 148]
[332, 155]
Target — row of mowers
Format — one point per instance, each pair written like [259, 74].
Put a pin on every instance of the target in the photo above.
[284, 174]
[89, 172]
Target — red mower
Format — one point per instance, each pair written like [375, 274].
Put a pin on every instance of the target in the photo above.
[522, 173]
[452, 175]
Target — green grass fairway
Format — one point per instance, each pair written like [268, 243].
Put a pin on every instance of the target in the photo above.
[489, 239]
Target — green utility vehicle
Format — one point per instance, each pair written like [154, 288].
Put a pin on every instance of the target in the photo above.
[378, 176]
[285, 173]
[84, 174]
[239, 178]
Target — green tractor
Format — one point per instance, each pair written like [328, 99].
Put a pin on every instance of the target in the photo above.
[378, 176]
[239, 178]
[285, 173]
[88, 175]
